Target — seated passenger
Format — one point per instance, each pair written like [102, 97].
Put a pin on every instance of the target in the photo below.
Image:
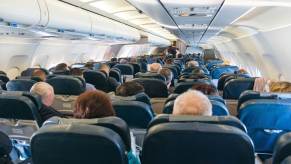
[192, 103]
[89, 65]
[39, 73]
[280, 86]
[61, 67]
[155, 67]
[46, 92]
[97, 104]
[192, 64]
[123, 61]
[129, 88]
[168, 75]
[206, 89]
[78, 72]
[112, 82]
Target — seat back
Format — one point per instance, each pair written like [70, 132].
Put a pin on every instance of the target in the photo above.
[126, 69]
[77, 143]
[136, 67]
[235, 87]
[174, 70]
[153, 88]
[4, 78]
[20, 106]
[20, 85]
[136, 114]
[96, 78]
[67, 85]
[266, 120]
[218, 71]
[141, 97]
[150, 75]
[115, 74]
[196, 142]
[184, 86]
[282, 148]
[5, 146]
[64, 102]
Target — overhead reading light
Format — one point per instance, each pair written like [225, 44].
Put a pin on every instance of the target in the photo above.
[193, 26]
[204, 11]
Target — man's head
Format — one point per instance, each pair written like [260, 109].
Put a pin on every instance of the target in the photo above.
[45, 91]
[76, 72]
[104, 68]
[129, 88]
[39, 73]
[123, 61]
[62, 67]
[168, 74]
[192, 63]
[192, 103]
[155, 67]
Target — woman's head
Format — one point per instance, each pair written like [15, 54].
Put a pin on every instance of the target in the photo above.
[93, 104]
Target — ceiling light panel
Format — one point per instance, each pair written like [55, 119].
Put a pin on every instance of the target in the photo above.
[112, 6]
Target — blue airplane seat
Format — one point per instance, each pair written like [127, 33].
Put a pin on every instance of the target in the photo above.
[266, 120]
[136, 114]
[67, 85]
[150, 75]
[20, 85]
[126, 69]
[184, 86]
[233, 88]
[97, 78]
[196, 142]
[77, 143]
[114, 73]
[282, 149]
[153, 88]
[218, 71]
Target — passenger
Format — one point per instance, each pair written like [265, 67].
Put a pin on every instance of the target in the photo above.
[39, 73]
[206, 89]
[113, 60]
[129, 88]
[93, 104]
[46, 93]
[281, 86]
[192, 103]
[61, 67]
[241, 71]
[155, 67]
[112, 82]
[89, 65]
[78, 72]
[133, 60]
[169, 61]
[168, 75]
[123, 61]
[192, 64]
[97, 104]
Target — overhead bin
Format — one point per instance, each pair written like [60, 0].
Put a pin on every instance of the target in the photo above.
[158, 41]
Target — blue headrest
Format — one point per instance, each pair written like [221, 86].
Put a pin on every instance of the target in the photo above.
[150, 75]
[77, 143]
[153, 87]
[222, 120]
[98, 79]
[218, 108]
[233, 88]
[114, 123]
[115, 74]
[67, 85]
[184, 86]
[142, 97]
[4, 78]
[136, 114]
[136, 67]
[196, 142]
[266, 120]
[20, 106]
[211, 63]
[5, 145]
[218, 71]
[143, 66]
[20, 85]
[282, 148]
[221, 80]
[126, 69]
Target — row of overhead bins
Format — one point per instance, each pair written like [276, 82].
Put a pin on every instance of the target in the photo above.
[54, 14]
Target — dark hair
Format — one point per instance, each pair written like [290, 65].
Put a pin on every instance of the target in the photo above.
[61, 67]
[93, 104]
[129, 88]
[76, 72]
[39, 73]
[207, 89]
[167, 74]
[89, 65]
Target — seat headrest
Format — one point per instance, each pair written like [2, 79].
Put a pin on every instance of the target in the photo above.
[96, 78]
[115, 74]
[114, 123]
[153, 88]
[5, 144]
[218, 71]
[219, 109]
[196, 142]
[67, 85]
[20, 106]
[4, 78]
[184, 86]
[126, 69]
[142, 97]
[77, 143]
[233, 88]
[136, 114]
[20, 85]
[282, 148]
[222, 120]
[150, 75]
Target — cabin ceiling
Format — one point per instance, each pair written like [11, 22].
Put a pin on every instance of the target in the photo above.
[192, 21]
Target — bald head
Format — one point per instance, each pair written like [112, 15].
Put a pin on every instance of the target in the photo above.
[192, 103]
[45, 91]
[155, 67]
[192, 63]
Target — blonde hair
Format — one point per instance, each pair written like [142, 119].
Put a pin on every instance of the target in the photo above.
[192, 103]
[155, 67]
[281, 86]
